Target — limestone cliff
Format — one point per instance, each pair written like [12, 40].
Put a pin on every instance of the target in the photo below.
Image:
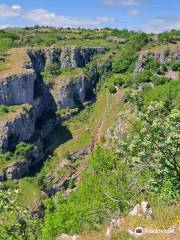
[17, 89]
[37, 100]
[16, 127]
[66, 57]
[69, 93]
[163, 55]
[72, 57]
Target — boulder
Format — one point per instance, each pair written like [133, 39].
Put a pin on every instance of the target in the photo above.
[17, 170]
[142, 209]
[109, 232]
[67, 237]
[115, 223]
[135, 211]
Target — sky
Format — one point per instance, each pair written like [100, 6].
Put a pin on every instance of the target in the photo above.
[145, 15]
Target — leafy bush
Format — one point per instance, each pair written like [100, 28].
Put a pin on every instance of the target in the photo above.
[175, 65]
[144, 76]
[159, 80]
[51, 71]
[162, 69]
[120, 66]
[22, 149]
[112, 89]
[16, 223]
[88, 206]
[152, 64]
[3, 109]
[169, 92]
[154, 144]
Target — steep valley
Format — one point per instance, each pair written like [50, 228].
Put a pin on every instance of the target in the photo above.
[89, 134]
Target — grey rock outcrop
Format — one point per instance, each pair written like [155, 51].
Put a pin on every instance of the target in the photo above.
[17, 170]
[142, 209]
[71, 94]
[66, 57]
[37, 60]
[34, 117]
[67, 237]
[163, 56]
[22, 165]
[52, 55]
[17, 89]
[72, 57]
[16, 128]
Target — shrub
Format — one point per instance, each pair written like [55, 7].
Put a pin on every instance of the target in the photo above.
[152, 64]
[144, 76]
[52, 68]
[120, 66]
[3, 109]
[122, 80]
[154, 145]
[126, 97]
[175, 65]
[22, 149]
[112, 89]
[162, 69]
[169, 92]
[160, 80]
[87, 207]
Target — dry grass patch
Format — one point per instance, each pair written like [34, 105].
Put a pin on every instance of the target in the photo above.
[14, 61]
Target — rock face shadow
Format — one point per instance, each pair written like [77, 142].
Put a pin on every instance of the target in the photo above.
[55, 138]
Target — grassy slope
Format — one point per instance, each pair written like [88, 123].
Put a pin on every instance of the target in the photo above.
[92, 118]
[14, 61]
[163, 219]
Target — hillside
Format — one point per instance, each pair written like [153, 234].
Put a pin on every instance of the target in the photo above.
[89, 134]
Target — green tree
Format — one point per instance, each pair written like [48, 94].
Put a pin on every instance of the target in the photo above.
[155, 143]
[16, 223]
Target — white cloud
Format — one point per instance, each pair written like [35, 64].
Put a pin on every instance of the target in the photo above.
[9, 11]
[134, 12]
[120, 2]
[4, 26]
[158, 25]
[45, 17]
[130, 2]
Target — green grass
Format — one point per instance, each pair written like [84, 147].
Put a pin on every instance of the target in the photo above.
[166, 92]
[85, 43]
[7, 109]
[29, 195]
[91, 119]
[71, 73]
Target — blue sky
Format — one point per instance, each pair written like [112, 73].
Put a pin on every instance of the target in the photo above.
[146, 15]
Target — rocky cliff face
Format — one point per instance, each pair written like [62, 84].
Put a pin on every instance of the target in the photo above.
[66, 57]
[72, 57]
[37, 101]
[17, 89]
[70, 94]
[162, 56]
[16, 127]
